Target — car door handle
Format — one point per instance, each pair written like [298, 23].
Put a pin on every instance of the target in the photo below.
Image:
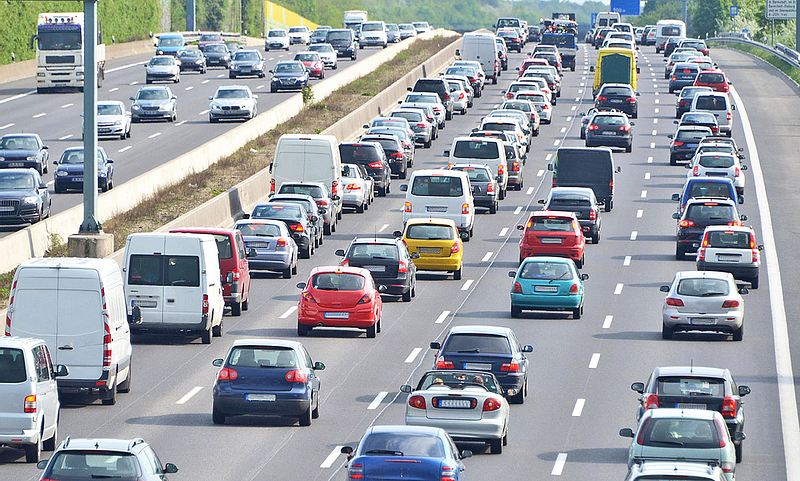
[68, 347]
[170, 300]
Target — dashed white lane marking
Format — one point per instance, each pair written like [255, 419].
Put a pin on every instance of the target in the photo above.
[383, 227]
[51, 183]
[205, 81]
[652, 145]
[556, 142]
[618, 288]
[487, 256]
[529, 191]
[655, 121]
[271, 59]
[413, 355]
[114, 89]
[135, 82]
[331, 457]
[583, 84]
[203, 112]
[643, 195]
[548, 157]
[123, 67]
[607, 322]
[627, 261]
[518, 210]
[558, 468]
[650, 160]
[260, 87]
[503, 232]
[39, 115]
[189, 395]
[569, 118]
[656, 100]
[377, 401]
[6, 126]
[65, 137]
[574, 107]
[18, 96]
[467, 285]
[647, 176]
[153, 136]
[639, 213]
[656, 110]
[180, 123]
[288, 312]
[442, 317]
[540, 173]
[66, 106]
[125, 149]
[189, 88]
[634, 235]
[655, 132]
[594, 361]
[563, 129]
[656, 93]
[220, 75]
[577, 99]
[578, 409]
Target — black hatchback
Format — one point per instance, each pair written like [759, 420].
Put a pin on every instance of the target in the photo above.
[393, 149]
[618, 96]
[685, 141]
[372, 157]
[610, 129]
[389, 262]
[699, 214]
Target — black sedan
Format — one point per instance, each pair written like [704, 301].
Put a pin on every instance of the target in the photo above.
[69, 170]
[618, 96]
[24, 198]
[23, 151]
[291, 75]
[389, 262]
[192, 60]
[610, 129]
[685, 141]
[217, 55]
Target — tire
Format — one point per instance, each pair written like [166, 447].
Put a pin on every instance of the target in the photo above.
[246, 303]
[217, 417]
[516, 311]
[371, 331]
[494, 80]
[448, 116]
[496, 446]
[287, 273]
[206, 335]
[609, 205]
[125, 386]
[629, 149]
[596, 238]
[518, 398]
[360, 208]
[738, 334]
[407, 296]
[583, 136]
[403, 174]
[111, 398]
[236, 309]
[672, 161]
[326, 229]
[666, 332]
[303, 330]
[576, 313]
[104, 186]
[738, 448]
[50, 444]
[216, 331]
[680, 253]
[306, 253]
[33, 452]
[428, 144]
[315, 412]
[754, 283]
[457, 274]
[581, 262]
[305, 418]
[493, 208]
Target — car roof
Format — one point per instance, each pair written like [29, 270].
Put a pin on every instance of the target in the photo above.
[479, 329]
[100, 444]
[552, 259]
[264, 341]
[261, 221]
[690, 371]
[19, 342]
[18, 171]
[703, 274]
[204, 230]
[737, 228]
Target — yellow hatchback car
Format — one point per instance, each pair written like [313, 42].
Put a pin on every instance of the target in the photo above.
[438, 244]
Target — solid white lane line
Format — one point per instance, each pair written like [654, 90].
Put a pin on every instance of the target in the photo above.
[189, 395]
[203, 112]
[639, 213]
[6, 126]
[578, 409]
[114, 89]
[540, 173]
[607, 322]
[133, 83]
[180, 123]
[377, 401]
[18, 96]
[383, 227]
[125, 149]
[558, 468]
[650, 160]
[205, 81]
[634, 235]
[153, 136]
[288, 312]
[66, 106]
[518, 210]
[331, 457]
[787, 398]
[467, 285]
[189, 87]
[414, 353]
[643, 194]
[652, 145]
[40, 115]
[529, 191]
[548, 157]
[503, 232]
[487, 256]
[618, 288]
[647, 176]
[65, 137]
[51, 183]
[627, 261]
[442, 317]
[594, 361]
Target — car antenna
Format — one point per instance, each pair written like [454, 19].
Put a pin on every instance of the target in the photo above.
[691, 366]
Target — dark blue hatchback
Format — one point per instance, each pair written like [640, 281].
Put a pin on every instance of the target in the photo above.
[267, 377]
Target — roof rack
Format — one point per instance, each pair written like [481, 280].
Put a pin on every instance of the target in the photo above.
[708, 461]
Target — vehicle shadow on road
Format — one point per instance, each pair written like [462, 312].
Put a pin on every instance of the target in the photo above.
[591, 455]
[265, 332]
[10, 455]
[204, 419]
[631, 336]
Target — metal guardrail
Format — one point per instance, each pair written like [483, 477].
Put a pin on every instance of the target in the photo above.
[792, 57]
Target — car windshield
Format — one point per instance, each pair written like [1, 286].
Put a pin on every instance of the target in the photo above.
[170, 42]
[458, 380]
[710, 211]
[191, 53]
[410, 116]
[330, 281]
[297, 29]
[153, 94]
[730, 239]
[711, 102]
[246, 56]
[691, 135]
[19, 143]
[477, 343]
[210, 37]
[257, 229]
[232, 94]
[430, 232]
[703, 287]
[340, 35]
[314, 191]
[276, 211]
[716, 161]
[690, 386]
[402, 444]
[437, 186]
[111, 109]
[406, 26]
[321, 47]
[162, 61]
[262, 357]
[392, 27]
[276, 33]
[12, 363]
[373, 251]
[307, 57]
[95, 464]
[681, 433]
[216, 48]
[76, 156]
[289, 68]
[552, 224]
[372, 27]
[476, 174]
[545, 271]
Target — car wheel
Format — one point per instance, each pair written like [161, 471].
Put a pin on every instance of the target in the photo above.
[125, 386]
[738, 334]
[515, 311]
[371, 331]
[754, 283]
[360, 208]
[629, 148]
[236, 309]
[104, 186]
[305, 418]
[315, 412]
[428, 144]
[457, 274]
[496, 446]
[33, 452]
[216, 416]
[576, 313]
[448, 115]
[609, 205]
[672, 161]
[216, 331]
[303, 330]
[493, 208]
[403, 174]
[205, 336]
[407, 296]
[738, 449]
[326, 229]
[287, 273]
[666, 332]
[294, 268]
[50, 444]
[580, 262]
[518, 398]
[680, 253]
[378, 325]
[583, 136]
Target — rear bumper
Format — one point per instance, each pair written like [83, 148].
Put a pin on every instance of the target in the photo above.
[438, 263]
[173, 327]
[546, 303]
[738, 272]
[613, 141]
[98, 386]
[574, 253]
[315, 317]
[286, 403]
[23, 438]
[270, 262]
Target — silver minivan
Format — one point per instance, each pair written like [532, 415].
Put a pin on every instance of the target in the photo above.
[29, 404]
[720, 105]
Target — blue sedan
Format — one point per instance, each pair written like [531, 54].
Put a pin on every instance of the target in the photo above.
[268, 377]
[69, 170]
[390, 453]
[547, 284]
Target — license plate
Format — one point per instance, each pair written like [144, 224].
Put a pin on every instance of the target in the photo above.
[609, 133]
[728, 258]
[477, 366]
[545, 288]
[375, 268]
[551, 240]
[689, 406]
[430, 250]
[455, 403]
[703, 321]
[337, 315]
[615, 101]
[6, 209]
[77, 179]
[436, 209]
[104, 131]
[260, 397]
[144, 303]
[16, 164]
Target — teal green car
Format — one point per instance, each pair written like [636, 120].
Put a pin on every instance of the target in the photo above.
[547, 284]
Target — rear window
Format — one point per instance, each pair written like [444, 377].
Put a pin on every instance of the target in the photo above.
[224, 246]
[312, 190]
[476, 174]
[712, 78]
[437, 186]
[337, 282]
[729, 239]
[703, 287]
[373, 251]
[566, 203]
[608, 120]
[584, 165]
[497, 126]
[546, 271]
[709, 189]
[554, 224]
[416, 445]
[710, 212]
[716, 161]
[356, 153]
[423, 85]
[430, 232]
[276, 211]
[387, 144]
[670, 31]
[616, 91]
[158, 270]
[76, 465]
[268, 356]
[690, 386]
[12, 366]
[477, 344]
[261, 230]
[690, 135]
[680, 433]
[476, 149]
[711, 102]
[410, 116]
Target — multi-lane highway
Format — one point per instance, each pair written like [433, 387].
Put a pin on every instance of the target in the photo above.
[581, 369]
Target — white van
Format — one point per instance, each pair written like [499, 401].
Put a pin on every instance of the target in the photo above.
[309, 158]
[666, 29]
[720, 105]
[174, 279]
[443, 194]
[482, 150]
[481, 47]
[606, 19]
[77, 306]
[29, 404]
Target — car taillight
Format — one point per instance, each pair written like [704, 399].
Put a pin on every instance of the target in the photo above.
[510, 95]
[334, 186]
[308, 297]
[631, 100]
[447, 96]
[651, 402]
[501, 169]
[546, 107]
[625, 128]
[593, 214]
[489, 188]
[701, 254]
[282, 242]
[272, 186]
[352, 187]
[406, 206]
[491, 404]
[437, 110]
[461, 96]
[753, 247]
[593, 127]
[417, 402]
[517, 288]
[442, 363]
[686, 223]
[455, 248]
[512, 366]
[107, 340]
[674, 302]
[514, 167]
[296, 375]
[674, 77]
[375, 165]
[205, 304]
[365, 299]
[731, 303]
[465, 208]
[322, 202]
[29, 404]
[422, 125]
[602, 98]
[402, 267]
[227, 374]
[682, 103]
[356, 471]
[573, 289]
[396, 155]
[737, 172]
[696, 171]
[296, 228]
[728, 115]
[678, 143]
[735, 223]
[729, 407]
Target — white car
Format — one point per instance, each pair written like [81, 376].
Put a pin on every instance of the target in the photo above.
[358, 187]
[539, 100]
[163, 68]
[528, 108]
[327, 53]
[458, 96]
[232, 102]
[733, 249]
[373, 34]
[414, 99]
[113, 119]
[467, 404]
[718, 164]
[277, 39]
[299, 34]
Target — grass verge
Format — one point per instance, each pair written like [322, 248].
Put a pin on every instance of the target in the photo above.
[790, 70]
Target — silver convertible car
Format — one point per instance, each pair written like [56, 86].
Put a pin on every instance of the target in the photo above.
[466, 404]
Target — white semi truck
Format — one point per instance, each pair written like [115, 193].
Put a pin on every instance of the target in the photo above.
[353, 18]
[59, 44]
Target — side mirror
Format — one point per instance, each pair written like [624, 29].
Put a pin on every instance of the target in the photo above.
[743, 217]
[170, 468]
[217, 362]
[626, 432]
[512, 274]
[664, 288]
[61, 371]
[446, 153]
[382, 288]
[109, 161]
[245, 216]
[550, 167]
[211, 98]
[542, 201]
[251, 252]
[744, 167]
[520, 227]
[730, 82]
[415, 255]
[761, 247]
[670, 136]
[466, 454]
[591, 69]
[618, 169]
[633, 124]
[314, 219]
[740, 200]
[584, 277]
[688, 166]
[318, 366]
[676, 197]
[365, 126]
[136, 315]
[404, 188]
[638, 387]
[301, 285]
[131, 98]
[42, 464]
[744, 291]
[436, 345]
[45, 147]
[335, 197]
[406, 388]
[676, 216]
[458, 52]
[229, 278]
[744, 391]
[409, 89]
[740, 436]
[339, 252]
[733, 107]
[397, 233]
[464, 236]
[270, 71]
[675, 122]
[527, 348]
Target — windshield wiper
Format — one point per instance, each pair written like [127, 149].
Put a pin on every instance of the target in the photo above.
[559, 277]
[464, 351]
[698, 393]
[383, 258]
[712, 294]
[387, 452]
[104, 476]
[670, 443]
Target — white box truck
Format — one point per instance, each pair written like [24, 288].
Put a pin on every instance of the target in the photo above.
[59, 43]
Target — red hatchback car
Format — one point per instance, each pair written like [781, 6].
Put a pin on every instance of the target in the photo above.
[339, 296]
[552, 233]
[313, 63]
[233, 265]
[713, 78]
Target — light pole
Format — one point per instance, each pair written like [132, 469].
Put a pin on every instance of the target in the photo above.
[190, 15]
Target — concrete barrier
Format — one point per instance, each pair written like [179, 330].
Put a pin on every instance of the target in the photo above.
[33, 241]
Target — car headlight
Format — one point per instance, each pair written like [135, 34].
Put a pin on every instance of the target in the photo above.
[118, 122]
[164, 107]
[30, 157]
[135, 107]
[31, 199]
[214, 106]
[160, 52]
[61, 173]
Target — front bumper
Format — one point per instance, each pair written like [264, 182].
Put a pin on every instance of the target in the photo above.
[464, 429]
[161, 77]
[294, 85]
[109, 130]
[24, 214]
[151, 115]
[20, 164]
[230, 114]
